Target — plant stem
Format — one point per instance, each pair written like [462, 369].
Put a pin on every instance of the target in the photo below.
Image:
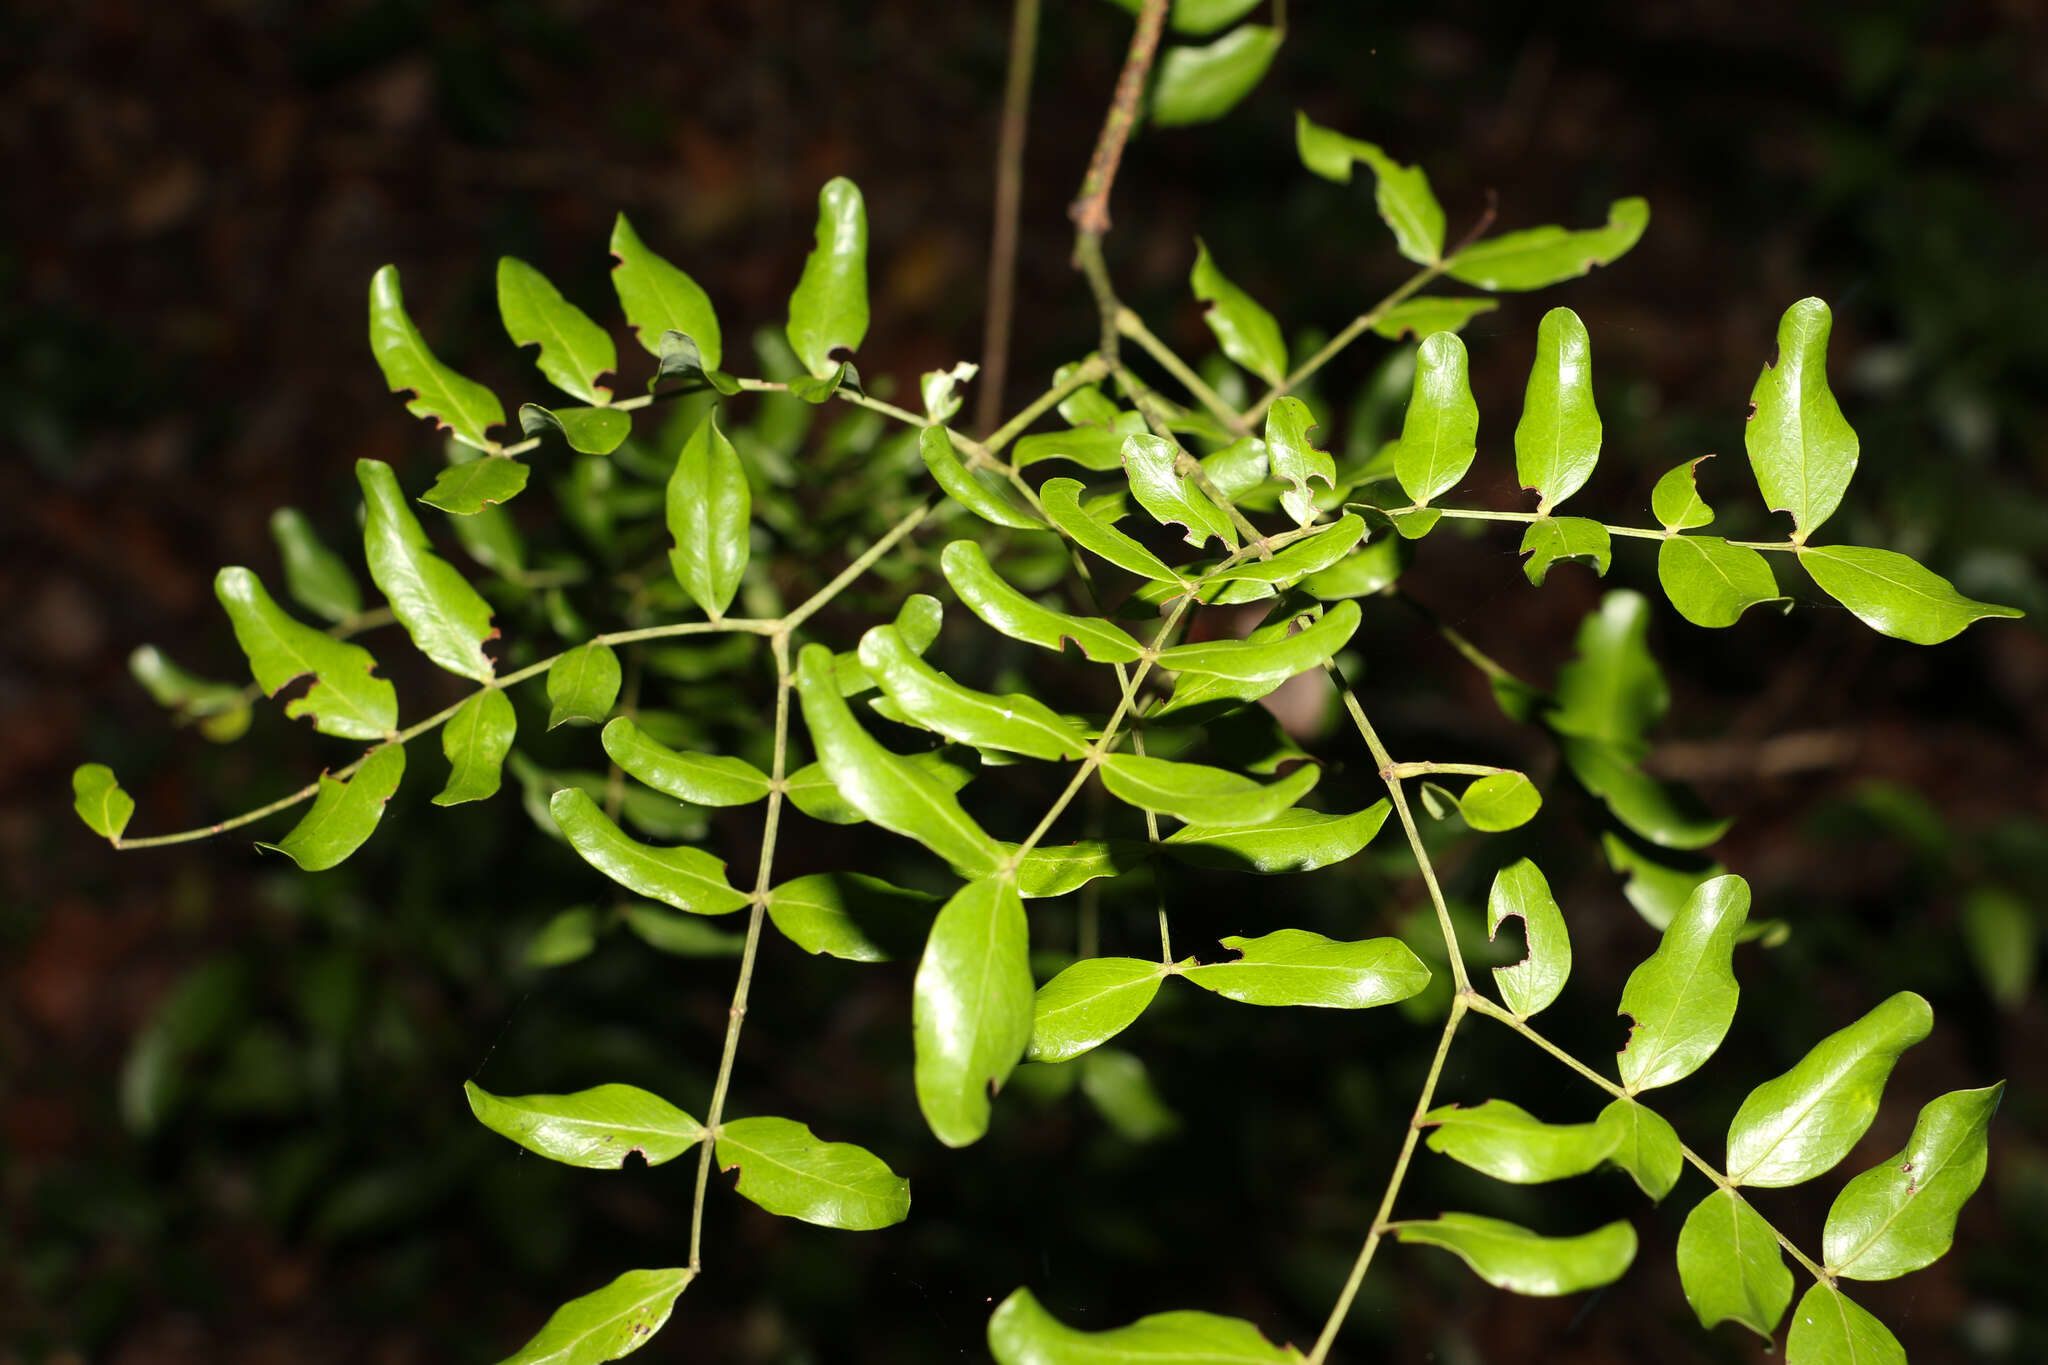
[1089, 371]
[1358, 328]
[1090, 209]
[1131, 325]
[1449, 769]
[1002, 250]
[1470, 652]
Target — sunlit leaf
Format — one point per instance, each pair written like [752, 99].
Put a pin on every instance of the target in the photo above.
[1682, 998]
[1711, 582]
[314, 575]
[1645, 1145]
[1009, 611]
[1676, 500]
[1062, 501]
[1401, 193]
[786, 1170]
[829, 310]
[596, 1128]
[971, 1007]
[1246, 332]
[608, 1323]
[1565, 538]
[657, 297]
[917, 621]
[709, 510]
[583, 685]
[1088, 1004]
[981, 491]
[1515, 1259]
[1900, 1215]
[589, 431]
[700, 779]
[476, 739]
[467, 488]
[1546, 255]
[100, 802]
[1152, 464]
[1201, 795]
[811, 791]
[1293, 841]
[1196, 84]
[1894, 595]
[1801, 448]
[1557, 442]
[1440, 435]
[1508, 1143]
[1268, 661]
[1828, 1329]
[825, 912]
[1730, 1266]
[445, 616]
[344, 699]
[1799, 1125]
[1014, 723]
[1430, 313]
[1296, 967]
[1520, 891]
[1500, 801]
[574, 351]
[1020, 1332]
[685, 878]
[344, 814]
[461, 405]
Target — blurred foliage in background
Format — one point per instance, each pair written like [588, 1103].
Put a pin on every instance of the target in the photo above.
[231, 1126]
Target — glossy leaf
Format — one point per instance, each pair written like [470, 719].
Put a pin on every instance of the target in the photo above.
[1546, 255]
[1711, 582]
[467, 488]
[596, 1128]
[314, 575]
[658, 298]
[1900, 1215]
[1565, 538]
[709, 515]
[1246, 332]
[344, 699]
[1430, 313]
[1500, 801]
[1682, 998]
[583, 685]
[1294, 457]
[1557, 442]
[917, 620]
[1508, 1143]
[971, 1007]
[1676, 500]
[700, 779]
[1197, 84]
[829, 310]
[1801, 1124]
[1829, 1329]
[1057, 869]
[825, 912]
[344, 814]
[811, 790]
[1520, 891]
[588, 431]
[476, 739]
[1271, 660]
[1894, 595]
[608, 1323]
[1612, 688]
[1310, 555]
[445, 616]
[981, 491]
[1061, 499]
[1020, 1332]
[100, 802]
[1013, 723]
[1201, 795]
[685, 878]
[1645, 1145]
[1401, 193]
[1665, 813]
[1440, 435]
[1730, 1267]
[1293, 841]
[1296, 967]
[1009, 611]
[893, 793]
[786, 1170]
[1088, 1004]
[1152, 464]
[1801, 448]
[1515, 1259]
[461, 405]
[574, 351]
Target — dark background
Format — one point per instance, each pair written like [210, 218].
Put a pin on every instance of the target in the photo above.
[196, 197]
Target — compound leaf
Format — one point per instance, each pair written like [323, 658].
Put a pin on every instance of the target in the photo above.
[1020, 1332]
[596, 1128]
[1894, 595]
[1152, 465]
[1246, 332]
[1645, 1145]
[313, 574]
[445, 616]
[100, 802]
[829, 310]
[825, 912]
[971, 1007]
[1009, 611]
[344, 814]
[1571, 538]
[786, 1170]
[684, 878]
[1900, 1215]
[1513, 1258]
[1801, 448]
[475, 740]
[1200, 795]
[1296, 967]
[1505, 1141]
[344, 699]
[980, 491]
[1088, 1004]
[1268, 661]
[1730, 1267]
[1682, 998]
[1013, 723]
[1293, 841]
[700, 779]
[1520, 891]
[1829, 1329]
[1197, 84]
[658, 298]
[709, 514]
[1711, 582]
[608, 1323]
[1440, 435]
[1557, 442]
[1401, 193]
[461, 405]
[574, 351]
[1543, 256]
[466, 489]
[583, 685]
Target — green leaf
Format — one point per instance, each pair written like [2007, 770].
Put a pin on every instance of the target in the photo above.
[1676, 501]
[1009, 611]
[344, 699]
[1662, 812]
[1828, 1329]
[893, 793]
[608, 1323]
[1657, 889]
[1200, 795]
[583, 685]
[1056, 869]
[1522, 1262]
[568, 936]
[1645, 1146]
[1152, 464]
[1557, 442]
[1061, 499]
[825, 912]
[344, 814]
[811, 791]
[588, 431]
[1293, 841]
[940, 390]
[817, 391]
[700, 779]
[1546, 255]
[100, 802]
[682, 935]
[1092, 446]
[1310, 555]
[1711, 582]
[659, 298]
[596, 1128]
[1402, 194]
[787, 1171]
[1376, 567]
[1682, 998]
[1730, 1267]
[1900, 1215]
[1022, 1333]
[685, 878]
[490, 538]
[1198, 84]
[1416, 523]
[445, 616]
[829, 310]
[1088, 1004]
[1294, 457]
[1440, 435]
[1431, 313]
[1500, 801]
[1271, 661]
[681, 359]
[981, 491]
[1013, 723]
[1801, 448]
[1117, 1084]
[476, 739]
[918, 620]
[2002, 938]
[709, 515]
[220, 708]
[1612, 689]
[1893, 595]
[461, 405]
[971, 1007]
[1520, 891]
[1555, 538]
[1802, 1123]
[313, 574]
[1296, 967]
[1246, 332]
[574, 351]
[466, 489]
[1508, 1143]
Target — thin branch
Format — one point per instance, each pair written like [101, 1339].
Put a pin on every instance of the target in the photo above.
[1002, 250]
[1133, 326]
[1090, 209]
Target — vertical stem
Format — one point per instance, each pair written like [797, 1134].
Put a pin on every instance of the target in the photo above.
[1090, 209]
[1002, 250]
